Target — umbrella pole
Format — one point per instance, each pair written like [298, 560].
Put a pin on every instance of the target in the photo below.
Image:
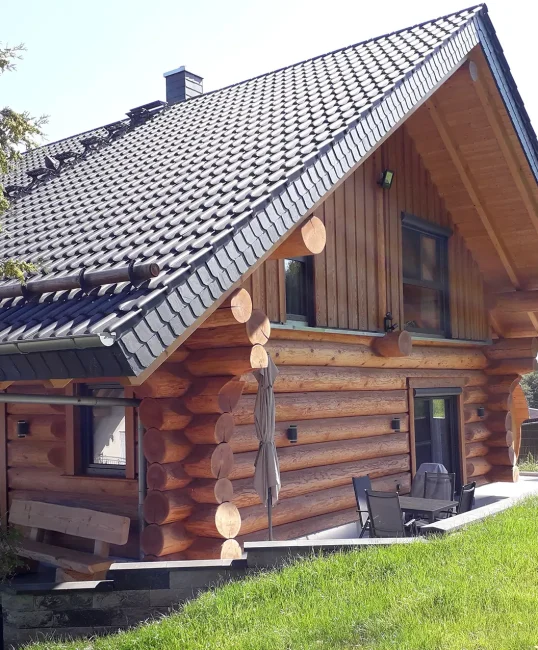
[270, 513]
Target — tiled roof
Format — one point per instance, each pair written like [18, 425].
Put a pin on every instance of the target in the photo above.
[206, 187]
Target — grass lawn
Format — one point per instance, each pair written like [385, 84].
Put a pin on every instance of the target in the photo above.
[474, 590]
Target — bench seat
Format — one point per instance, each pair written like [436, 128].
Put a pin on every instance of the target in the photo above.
[64, 558]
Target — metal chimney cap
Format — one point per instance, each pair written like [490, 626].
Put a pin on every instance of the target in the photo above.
[180, 69]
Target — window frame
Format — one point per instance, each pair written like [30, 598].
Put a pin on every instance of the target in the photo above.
[441, 236]
[88, 467]
[307, 320]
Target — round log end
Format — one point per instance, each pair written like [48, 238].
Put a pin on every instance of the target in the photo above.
[222, 461]
[224, 427]
[228, 520]
[314, 235]
[258, 357]
[240, 303]
[258, 327]
[394, 344]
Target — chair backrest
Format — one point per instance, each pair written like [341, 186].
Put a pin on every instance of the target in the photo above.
[79, 522]
[466, 497]
[439, 486]
[360, 485]
[386, 519]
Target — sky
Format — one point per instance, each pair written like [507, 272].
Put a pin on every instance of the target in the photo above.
[89, 61]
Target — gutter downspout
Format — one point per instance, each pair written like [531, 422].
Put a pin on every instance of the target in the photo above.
[141, 485]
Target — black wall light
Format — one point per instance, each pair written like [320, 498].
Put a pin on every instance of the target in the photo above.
[395, 424]
[386, 179]
[292, 433]
[23, 428]
[481, 411]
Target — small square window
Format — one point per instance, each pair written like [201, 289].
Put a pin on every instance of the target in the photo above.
[103, 433]
[298, 273]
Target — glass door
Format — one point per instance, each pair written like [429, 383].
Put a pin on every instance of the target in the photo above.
[436, 433]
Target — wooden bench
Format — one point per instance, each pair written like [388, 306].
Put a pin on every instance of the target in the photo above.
[104, 529]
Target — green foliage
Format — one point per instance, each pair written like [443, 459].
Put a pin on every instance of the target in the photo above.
[472, 590]
[529, 464]
[529, 384]
[8, 554]
[18, 132]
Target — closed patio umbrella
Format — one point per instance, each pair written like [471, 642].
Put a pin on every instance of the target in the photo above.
[267, 471]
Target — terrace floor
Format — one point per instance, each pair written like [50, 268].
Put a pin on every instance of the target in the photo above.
[484, 496]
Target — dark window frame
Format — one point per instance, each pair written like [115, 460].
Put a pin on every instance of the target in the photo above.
[441, 236]
[309, 318]
[88, 467]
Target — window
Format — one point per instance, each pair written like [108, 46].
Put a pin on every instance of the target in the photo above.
[103, 433]
[299, 289]
[425, 276]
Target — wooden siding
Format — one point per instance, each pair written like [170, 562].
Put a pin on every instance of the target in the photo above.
[358, 277]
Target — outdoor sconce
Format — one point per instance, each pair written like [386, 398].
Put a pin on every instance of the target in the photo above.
[388, 325]
[395, 424]
[292, 433]
[23, 428]
[385, 182]
[481, 411]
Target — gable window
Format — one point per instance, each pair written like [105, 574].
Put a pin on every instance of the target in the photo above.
[103, 433]
[425, 276]
[299, 291]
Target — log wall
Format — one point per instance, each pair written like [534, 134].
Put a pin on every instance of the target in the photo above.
[358, 277]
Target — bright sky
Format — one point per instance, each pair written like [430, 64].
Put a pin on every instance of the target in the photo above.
[90, 61]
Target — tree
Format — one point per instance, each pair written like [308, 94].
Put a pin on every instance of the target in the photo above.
[529, 384]
[18, 132]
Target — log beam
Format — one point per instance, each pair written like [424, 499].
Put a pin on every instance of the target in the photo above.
[163, 540]
[167, 476]
[255, 331]
[394, 344]
[166, 414]
[165, 446]
[208, 461]
[214, 395]
[169, 380]
[166, 507]
[219, 521]
[308, 239]
[210, 429]
[214, 549]
[226, 361]
[211, 490]
[237, 308]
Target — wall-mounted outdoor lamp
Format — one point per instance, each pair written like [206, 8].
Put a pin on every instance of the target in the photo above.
[388, 324]
[481, 411]
[385, 182]
[292, 433]
[395, 424]
[23, 428]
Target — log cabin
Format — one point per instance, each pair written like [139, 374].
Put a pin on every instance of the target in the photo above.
[367, 218]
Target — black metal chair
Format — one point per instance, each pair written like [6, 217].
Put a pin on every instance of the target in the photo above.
[439, 486]
[466, 498]
[386, 516]
[360, 485]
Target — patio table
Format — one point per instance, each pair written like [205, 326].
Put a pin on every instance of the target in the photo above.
[428, 507]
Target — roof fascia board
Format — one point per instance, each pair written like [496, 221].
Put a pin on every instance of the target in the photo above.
[507, 88]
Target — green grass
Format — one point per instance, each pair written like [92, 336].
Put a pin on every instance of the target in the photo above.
[474, 590]
[529, 464]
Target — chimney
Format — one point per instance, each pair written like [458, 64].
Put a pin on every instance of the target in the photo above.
[182, 85]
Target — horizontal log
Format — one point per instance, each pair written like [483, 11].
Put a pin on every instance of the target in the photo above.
[41, 427]
[124, 507]
[475, 395]
[481, 480]
[34, 453]
[223, 520]
[394, 344]
[208, 461]
[51, 480]
[501, 439]
[179, 355]
[211, 490]
[516, 301]
[306, 406]
[511, 367]
[214, 549]
[210, 429]
[499, 422]
[167, 476]
[163, 540]
[15, 408]
[214, 395]
[226, 361]
[502, 385]
[504, 474]
[477, 432]
[256, 330]
[307, 239]
[470, 413]
[476, 449]
[298, 379]
[326, 453]
[166, 507]
[172, 557]
[312, 479]
[167, 414]
[304, 353]
[323, 430]
[477, 467]
[525, 348]
[165, 446]
[502, 456]
[169, 380]
[235, 309]
[499, 403]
